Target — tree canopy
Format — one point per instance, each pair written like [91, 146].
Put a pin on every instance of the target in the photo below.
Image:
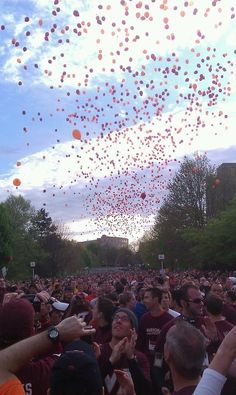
[182, 223]
[30, 235]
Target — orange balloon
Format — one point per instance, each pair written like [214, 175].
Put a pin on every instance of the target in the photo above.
[16, 182]
[76, 134]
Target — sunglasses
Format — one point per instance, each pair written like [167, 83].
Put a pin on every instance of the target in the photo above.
[196, 301]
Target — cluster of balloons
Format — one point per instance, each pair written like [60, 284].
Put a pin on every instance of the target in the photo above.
[132, 107]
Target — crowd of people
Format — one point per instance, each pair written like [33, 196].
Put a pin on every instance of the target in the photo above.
[119, 333]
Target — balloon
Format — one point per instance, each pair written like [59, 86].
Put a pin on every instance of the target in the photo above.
[76, 134]
[16, 182]
[143, 195]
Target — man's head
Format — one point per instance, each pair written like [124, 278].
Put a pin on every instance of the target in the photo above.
[185, 350]
[76, 372]
[68, 294]
[214, 304]
[103, 310]
[191, 301]
[124, 320]
[230, 297]
[218, 290]
[16, 321]
[166, 299]
[152, 298]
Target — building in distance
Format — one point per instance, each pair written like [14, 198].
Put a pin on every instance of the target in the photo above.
[109, 241]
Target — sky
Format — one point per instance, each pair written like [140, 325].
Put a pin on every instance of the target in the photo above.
[101, 100]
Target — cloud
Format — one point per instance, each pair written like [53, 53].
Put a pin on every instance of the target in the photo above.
[97, 183]
[122, 36]
[136, 121]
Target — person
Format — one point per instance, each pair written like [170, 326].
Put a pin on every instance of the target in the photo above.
[127, 299]
[214, 308]
[2, 290]
[228, 310]
[120, 353]
[140, 307]
[230, 298]
[166, 302]
[18, 355]
[214, 377]
[80, 307]
[76, 371]
[57, 312]
[184, 352]
[102, 318]
[191, 302]
[68, 294]
[151, 322]
[17, 320]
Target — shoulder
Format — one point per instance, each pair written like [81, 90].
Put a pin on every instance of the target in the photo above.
[145, 318]
[166, 316]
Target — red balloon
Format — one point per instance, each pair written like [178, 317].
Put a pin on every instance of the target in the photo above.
[143, 195]
[16, 182]
[76, 134]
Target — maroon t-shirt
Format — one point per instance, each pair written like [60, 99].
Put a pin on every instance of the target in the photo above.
[185, 391]
[229, 313]
[149, 329]
[36, 375]
[161, 339]
[223, 327]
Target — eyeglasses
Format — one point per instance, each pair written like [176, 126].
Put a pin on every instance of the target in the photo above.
[122, 318]
[196, 301]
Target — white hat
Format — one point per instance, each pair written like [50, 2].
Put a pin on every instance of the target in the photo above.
[60, 306]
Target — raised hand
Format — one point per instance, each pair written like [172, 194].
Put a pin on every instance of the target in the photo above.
[118, 350]
[130, 344]
[73, 328]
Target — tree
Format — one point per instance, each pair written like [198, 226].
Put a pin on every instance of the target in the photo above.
[184, 208]
[125, 258]
[20, 212]
[214, 247]
[41, 225]
[44, 232]
[5, 237]
[187, 192]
